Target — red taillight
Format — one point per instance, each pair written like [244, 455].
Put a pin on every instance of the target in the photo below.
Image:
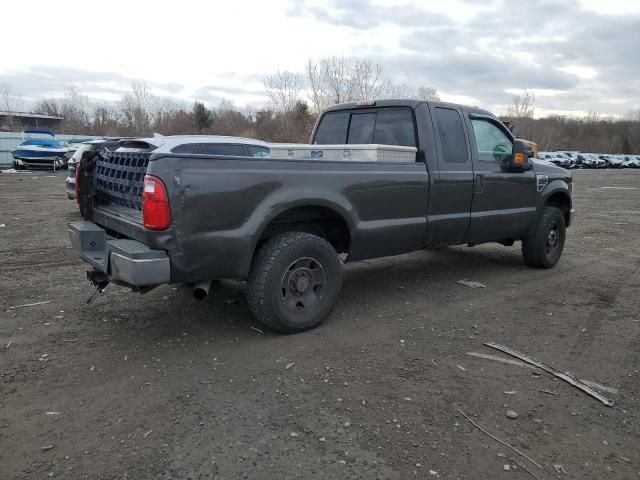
[78, 182]
[155, 204]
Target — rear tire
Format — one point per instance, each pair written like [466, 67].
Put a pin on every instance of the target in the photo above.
[544, 247]
[294, 282]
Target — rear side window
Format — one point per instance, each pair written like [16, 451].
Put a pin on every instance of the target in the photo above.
[451, 133]
[361, 128]
[260, 152]
[189, 148]
[395, 127]
[388, 126]
[223, 149]
[333, 129]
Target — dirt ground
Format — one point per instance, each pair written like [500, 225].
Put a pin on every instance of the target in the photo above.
[162, 387]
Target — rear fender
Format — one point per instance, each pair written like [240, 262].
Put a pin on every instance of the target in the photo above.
[279, 203]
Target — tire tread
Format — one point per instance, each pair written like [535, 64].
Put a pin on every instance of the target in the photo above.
[533, 249]
[263, 263]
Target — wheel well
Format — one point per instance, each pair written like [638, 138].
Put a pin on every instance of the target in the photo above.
[561, 201]
[321, 221]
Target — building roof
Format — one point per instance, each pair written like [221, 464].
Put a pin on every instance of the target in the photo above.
[28, 115]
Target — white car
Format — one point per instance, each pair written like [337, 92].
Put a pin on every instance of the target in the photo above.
[600, 163]
[184, 144]
[573, 156]
[612, 161]
[556, 158]
[584, 160]
[591, 160]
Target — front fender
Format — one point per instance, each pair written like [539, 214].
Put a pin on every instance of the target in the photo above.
[555, 192]
[554, 187]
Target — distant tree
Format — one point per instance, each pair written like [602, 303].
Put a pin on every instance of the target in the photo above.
[49, 106]
[283, 89]
[345, 79]
[10, 102]
[75, 108]
[427, 93]
[135, 107]
[201, 116]
[521, 112]
[105, 120]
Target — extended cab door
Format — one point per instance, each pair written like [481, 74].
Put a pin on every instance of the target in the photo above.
[452, 184]
[503, 201]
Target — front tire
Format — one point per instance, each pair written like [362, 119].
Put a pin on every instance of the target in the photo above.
[544, 247]
[294, 282]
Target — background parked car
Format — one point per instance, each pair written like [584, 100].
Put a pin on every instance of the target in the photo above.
[70, 181]
[184, 144]
[584, 160]
[573, 157]
[613, 161]
[556, 158]
[630, 162]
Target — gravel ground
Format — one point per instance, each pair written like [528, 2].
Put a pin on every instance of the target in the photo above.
[159, 386]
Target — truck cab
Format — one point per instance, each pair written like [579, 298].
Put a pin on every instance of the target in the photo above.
[472, 197]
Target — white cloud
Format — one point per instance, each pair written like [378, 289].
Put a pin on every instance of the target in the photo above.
[586, 73]
[582, 53]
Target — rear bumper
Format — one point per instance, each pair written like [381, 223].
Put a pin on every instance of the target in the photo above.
[45, 163]
[124, 261]
[70, 189]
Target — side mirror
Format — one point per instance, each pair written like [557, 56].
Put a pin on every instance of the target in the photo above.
[519, 159]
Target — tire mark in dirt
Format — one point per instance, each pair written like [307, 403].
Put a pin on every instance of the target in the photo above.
[605, 302]
[24, 265]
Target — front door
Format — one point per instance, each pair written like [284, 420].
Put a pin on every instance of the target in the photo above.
[503, 201]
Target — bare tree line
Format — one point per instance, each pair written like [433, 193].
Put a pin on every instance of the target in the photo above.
[295, 99]
[334, 80]
[591, 133]
[9, 101]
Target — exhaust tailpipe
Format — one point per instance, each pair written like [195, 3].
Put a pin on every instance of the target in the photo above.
[201, 290]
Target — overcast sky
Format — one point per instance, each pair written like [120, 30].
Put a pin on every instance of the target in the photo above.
[578, 55]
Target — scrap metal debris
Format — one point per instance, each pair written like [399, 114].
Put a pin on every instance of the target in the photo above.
[521, 465]
[597, 386]
[549, 392]
[499, 359]
[576, 383]
[498, 440]
[31, 304]
[471, 284]
[559, 469]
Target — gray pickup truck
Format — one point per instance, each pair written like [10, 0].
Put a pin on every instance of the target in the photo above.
[159, 211]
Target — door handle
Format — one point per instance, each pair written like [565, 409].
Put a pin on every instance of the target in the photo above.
[478, 185]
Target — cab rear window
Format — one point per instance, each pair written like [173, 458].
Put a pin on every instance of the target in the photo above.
[333, 129]
[386, 126]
